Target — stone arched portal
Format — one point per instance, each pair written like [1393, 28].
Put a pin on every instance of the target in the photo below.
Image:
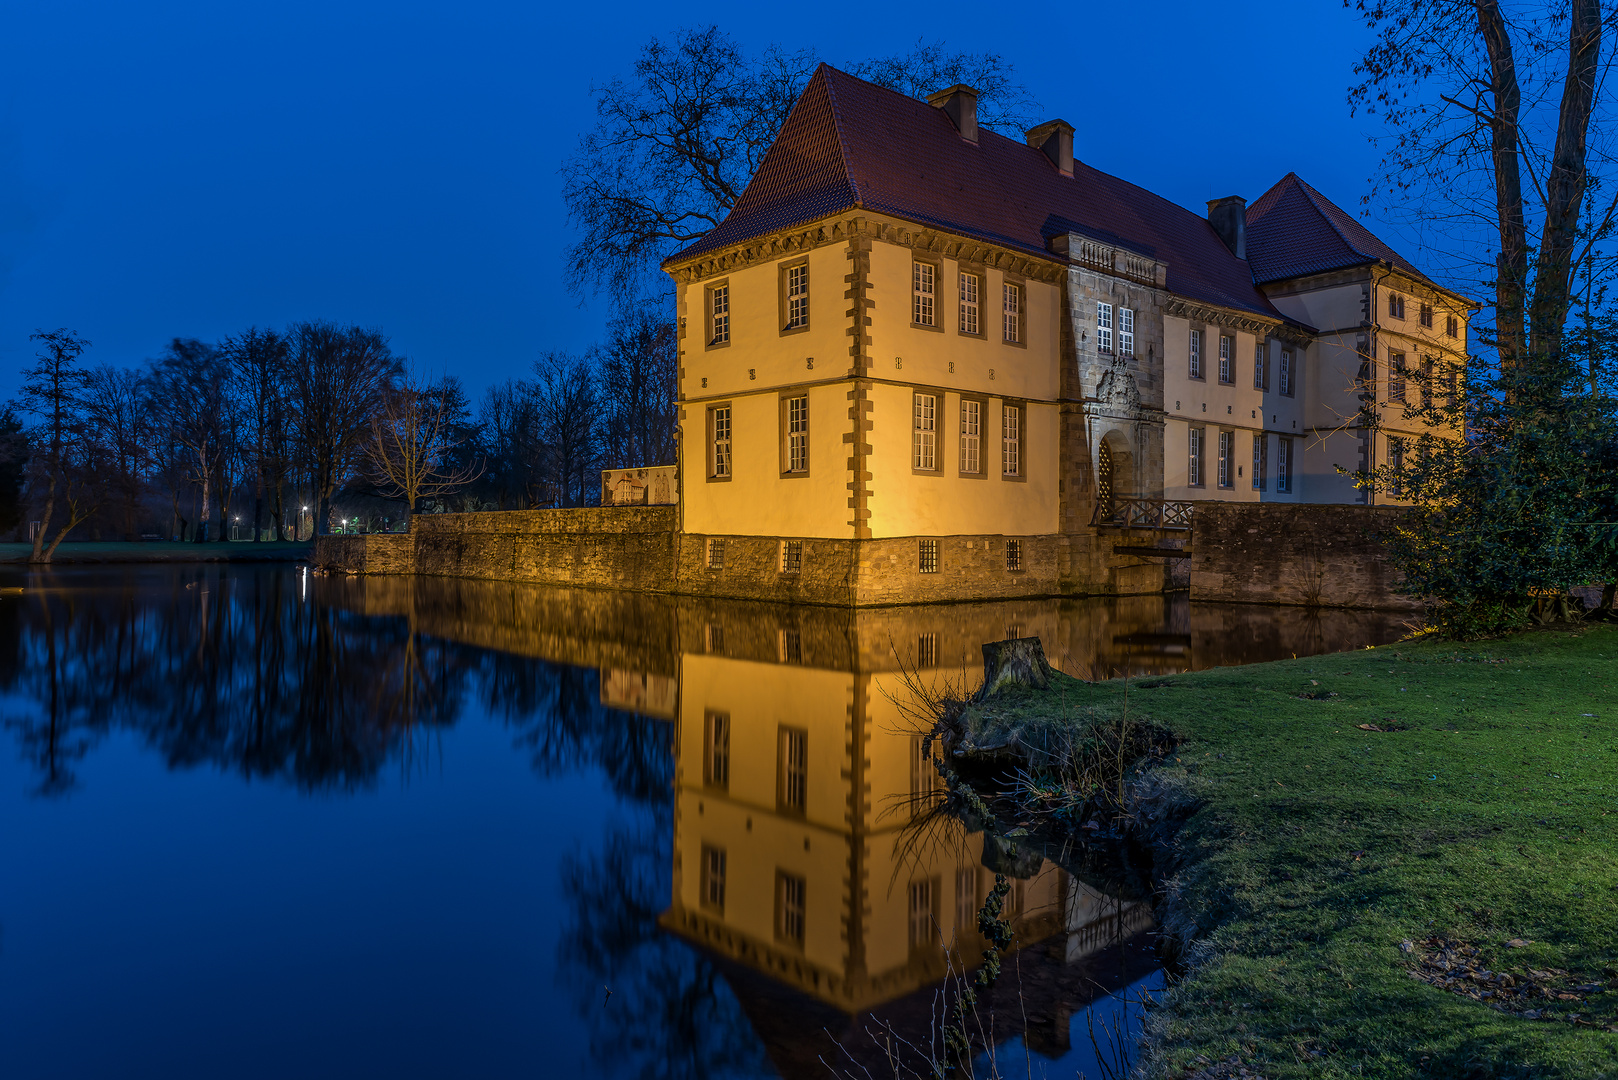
[1115, 469]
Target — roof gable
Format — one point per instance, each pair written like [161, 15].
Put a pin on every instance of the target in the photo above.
[1293, 230]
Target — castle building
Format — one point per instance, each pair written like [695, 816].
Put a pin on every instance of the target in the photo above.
[922, 361]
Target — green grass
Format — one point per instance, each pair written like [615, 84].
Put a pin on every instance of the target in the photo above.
[1320, 847]
[89, 551]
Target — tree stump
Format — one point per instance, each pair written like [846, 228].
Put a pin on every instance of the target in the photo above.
[1015, 662]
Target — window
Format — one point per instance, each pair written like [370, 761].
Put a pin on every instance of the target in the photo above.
[1427, 316]
[1011, 440]
[791, 556]
[1011, 312]
[1196, 354]
[1286, 372]
[1367, 378]
[716, 552]
[719, 442]
[1283, 465]
[797, 435]
[1396, 306]
[713, 877]
[789, 645]
[927, 556]
[925, 783]
[921, 311]
[922, 894]
[719, 314]
[971, 436]
[1261, 367]
[1126, 331]
[966, 900]
[1227, 370]
[796, 288]
[1013, 554]
[969, 303]
[716, 749]
[1261, 457]
[1194, 466]
[926, 433]
[1104, 327]
[1396, 376]
[789, 907]
[1452, 326]
[792, 769]
[1396, 463]
[1227, 446]
[1451, 382]
[926, 650]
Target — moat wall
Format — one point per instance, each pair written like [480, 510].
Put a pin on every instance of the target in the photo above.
[1273, 554]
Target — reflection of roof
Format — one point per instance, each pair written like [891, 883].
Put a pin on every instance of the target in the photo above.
[1294, 230]
[849, 143]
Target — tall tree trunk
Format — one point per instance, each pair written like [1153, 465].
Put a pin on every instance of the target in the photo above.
[1511, 272]
[39, 555]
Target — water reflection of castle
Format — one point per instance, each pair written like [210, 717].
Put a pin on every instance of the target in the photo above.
[795, 861]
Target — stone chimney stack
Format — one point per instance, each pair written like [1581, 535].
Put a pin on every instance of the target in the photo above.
[1054, 138]
[960, 104]
[1228, 216]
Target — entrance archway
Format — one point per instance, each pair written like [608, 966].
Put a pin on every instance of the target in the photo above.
[1104, 477]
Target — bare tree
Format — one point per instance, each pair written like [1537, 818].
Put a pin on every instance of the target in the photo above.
[638, 369]
[674, 147]
[566, 411]
[53, 391]
[508, 429]
[191, 403]
[413, 435]
[336, 376]
[116, 408]
[257, 360]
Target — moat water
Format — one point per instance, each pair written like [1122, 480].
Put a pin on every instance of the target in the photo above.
[256, 823]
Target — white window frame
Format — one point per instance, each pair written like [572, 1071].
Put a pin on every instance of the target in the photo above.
[1196, 448]
[720, 450]
[1261, 366]
[798, 434]
[1011, 312]
[1286, 373]
[1396, 376]
[971, 436]
[1261, 459]
[797, 296]
[923, 285]
[1227, 451]
[1227, 369]
[1283, 465]
[1194, 347]
[719, 314]
[1126, 331]
[925, 431]
[1103, 327]
[791, 556]
[927, 557]
[1013, 554]
[970, 287]
[1011, 440]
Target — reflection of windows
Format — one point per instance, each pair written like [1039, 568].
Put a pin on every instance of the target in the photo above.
[926, 432]
[791, 646]
[927, 556]
[926, 650]
[716, 749]
[1013, 554]
[924, 778]
[1016, 901]
[921, 284]
[789, 907]
[1013, 631]
[792, 769]
[923, 895]
[969, 303]
[791, 556]
[713, 877]
[966, 900]
[971, 434]
[714, 637]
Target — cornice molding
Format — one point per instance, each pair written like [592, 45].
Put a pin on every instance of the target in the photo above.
[1244, 321]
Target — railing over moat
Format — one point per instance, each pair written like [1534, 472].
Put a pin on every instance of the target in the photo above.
[1132, 512]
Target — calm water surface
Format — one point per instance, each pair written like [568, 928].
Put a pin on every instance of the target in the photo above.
[259, 824]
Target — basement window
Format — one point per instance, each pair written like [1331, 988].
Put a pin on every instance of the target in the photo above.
[1013, 554]
[716, 553]
[927, 556]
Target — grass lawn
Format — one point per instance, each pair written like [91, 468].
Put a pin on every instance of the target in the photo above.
[88, 551]
[1327, 862]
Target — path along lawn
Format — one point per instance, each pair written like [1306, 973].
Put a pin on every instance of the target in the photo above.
[1490, 821]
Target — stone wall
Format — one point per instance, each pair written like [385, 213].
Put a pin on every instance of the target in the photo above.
[1278, 553]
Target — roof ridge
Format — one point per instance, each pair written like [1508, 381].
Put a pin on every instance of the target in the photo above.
[837, 126]
[1315, 199]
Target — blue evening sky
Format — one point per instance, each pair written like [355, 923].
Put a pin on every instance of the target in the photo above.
[172, 168]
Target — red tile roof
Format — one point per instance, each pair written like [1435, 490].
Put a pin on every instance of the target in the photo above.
[852, 144]
[1294, 230]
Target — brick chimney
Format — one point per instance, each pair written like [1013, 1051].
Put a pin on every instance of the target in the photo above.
[1228, 216]
[1054, 138]
[960, 104]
